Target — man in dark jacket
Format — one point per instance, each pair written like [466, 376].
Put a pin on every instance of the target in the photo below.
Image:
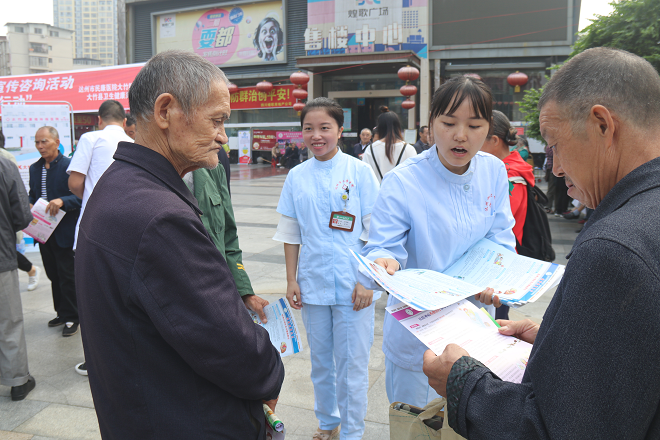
[57, 251]
[365, 141]
[422, 143]
[172, 351]
[593, 371]
[14, 216]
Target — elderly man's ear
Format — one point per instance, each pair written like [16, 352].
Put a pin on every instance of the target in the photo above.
[602, 118]
[163, 107]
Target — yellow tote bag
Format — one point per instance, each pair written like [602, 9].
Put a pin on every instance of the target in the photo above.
[406, 425]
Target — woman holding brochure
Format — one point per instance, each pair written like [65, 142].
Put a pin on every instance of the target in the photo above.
[431, 210]
[325, 205]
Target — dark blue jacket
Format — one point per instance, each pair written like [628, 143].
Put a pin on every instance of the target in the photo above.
[57, 187]
[171, 349]
[594, 372]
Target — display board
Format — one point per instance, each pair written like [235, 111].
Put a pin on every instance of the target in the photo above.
[251, 98]
[244, 147]
[237, 35]
[20, 123]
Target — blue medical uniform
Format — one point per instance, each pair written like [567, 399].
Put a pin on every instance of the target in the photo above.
[427, 217]
[339, 338]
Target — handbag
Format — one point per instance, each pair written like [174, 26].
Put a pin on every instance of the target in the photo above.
[409, 422]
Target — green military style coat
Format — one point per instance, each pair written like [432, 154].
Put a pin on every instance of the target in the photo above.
[212, 194]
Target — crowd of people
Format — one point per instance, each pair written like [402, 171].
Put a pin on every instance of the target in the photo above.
[149, 265]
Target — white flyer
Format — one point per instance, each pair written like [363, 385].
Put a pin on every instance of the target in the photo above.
[471, 328]
[43, 224]
[281, 326]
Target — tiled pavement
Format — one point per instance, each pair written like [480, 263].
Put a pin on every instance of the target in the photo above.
[61, 405]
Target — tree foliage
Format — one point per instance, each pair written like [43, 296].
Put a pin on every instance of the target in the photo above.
[633, 26]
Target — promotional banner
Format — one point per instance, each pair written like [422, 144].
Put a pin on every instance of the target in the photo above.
[85, 90]
[294, 137]
[244, 150]
[226, 36]
[251, 98]
[263, 139]
[20, 123]
[362, 26]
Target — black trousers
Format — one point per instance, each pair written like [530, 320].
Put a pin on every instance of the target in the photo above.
[23, 263]
[561, 193]
[58, 263]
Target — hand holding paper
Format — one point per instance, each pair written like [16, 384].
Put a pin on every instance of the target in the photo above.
[437, 368]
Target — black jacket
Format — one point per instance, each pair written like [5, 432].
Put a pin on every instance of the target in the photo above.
[171, 349]
[14, 213]
[57, 186]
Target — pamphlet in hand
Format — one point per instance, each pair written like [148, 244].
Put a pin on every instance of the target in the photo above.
[43, 224]
[281, 327]
[471, 328]
[517, 280]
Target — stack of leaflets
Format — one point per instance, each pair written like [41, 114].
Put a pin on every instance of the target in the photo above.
[517, 280]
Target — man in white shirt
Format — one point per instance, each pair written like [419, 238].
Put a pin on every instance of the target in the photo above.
[94, 153]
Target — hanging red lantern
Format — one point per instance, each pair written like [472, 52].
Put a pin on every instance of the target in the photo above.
[408, 73]
[473, 75]
[233, 88]
[304, 86]
[298, 106]
[408, 90]
[264, 86]
[408, 104]
[517, 80]
[299, 94]
[299, 78]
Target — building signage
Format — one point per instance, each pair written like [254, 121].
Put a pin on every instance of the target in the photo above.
[357, 26]
[251, 98]
[226, 36]
[263, 139]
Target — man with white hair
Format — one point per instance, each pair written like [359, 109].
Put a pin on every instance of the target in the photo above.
[593, 372]
[172, 351]
[365, 141]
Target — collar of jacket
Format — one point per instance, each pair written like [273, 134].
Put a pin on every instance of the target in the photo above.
[155, 164]
[639, 180]
[42, 161]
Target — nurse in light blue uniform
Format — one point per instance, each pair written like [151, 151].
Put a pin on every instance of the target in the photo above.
[338, 314]
[430, 211]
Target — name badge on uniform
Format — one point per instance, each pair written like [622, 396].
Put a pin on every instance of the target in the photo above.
[342, 221]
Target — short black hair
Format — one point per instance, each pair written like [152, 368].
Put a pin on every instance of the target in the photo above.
[421, 129]
[461, 87]
[130, 119]
[112, 111]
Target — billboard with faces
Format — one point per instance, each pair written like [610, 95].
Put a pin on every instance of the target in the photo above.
[236, 35]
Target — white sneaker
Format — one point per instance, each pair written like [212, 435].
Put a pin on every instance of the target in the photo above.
[33, 281]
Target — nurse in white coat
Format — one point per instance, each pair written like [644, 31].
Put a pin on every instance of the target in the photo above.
[431, 210]
[326, 204]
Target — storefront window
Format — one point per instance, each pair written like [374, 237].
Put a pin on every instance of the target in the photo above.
[370, 82]
[267, 115]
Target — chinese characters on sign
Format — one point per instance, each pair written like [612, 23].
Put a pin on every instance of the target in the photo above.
[250, 97]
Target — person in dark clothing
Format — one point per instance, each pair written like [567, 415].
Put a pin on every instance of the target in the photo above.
[562, 199]
[422, 143]
[57, 252]
[172, 351]
[593, 370]
[365, 141]
[291, 156]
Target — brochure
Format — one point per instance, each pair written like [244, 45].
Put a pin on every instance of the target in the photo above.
[281, 326]
[516, 279]
[471, 328]
[43, 224]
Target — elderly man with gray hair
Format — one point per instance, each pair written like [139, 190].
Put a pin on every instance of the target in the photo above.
[171, 348]
[593, 372]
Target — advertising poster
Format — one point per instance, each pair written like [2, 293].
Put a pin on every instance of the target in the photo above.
[263, 139]
[362, 26]
[251, 98]
[20, 123]
[226, 36]
[244, 150]
[293, 137]
[348, 114]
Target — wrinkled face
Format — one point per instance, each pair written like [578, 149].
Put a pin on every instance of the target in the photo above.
[424, 135]
[130, 131]
[46, 144]
[575, 157]
[365, 137]
[459, 137]
[195, 143]
[268, 39]
[321, 134]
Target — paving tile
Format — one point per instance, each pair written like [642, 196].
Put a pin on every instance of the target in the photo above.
[6, 435]
[13, 414]
[63, 422]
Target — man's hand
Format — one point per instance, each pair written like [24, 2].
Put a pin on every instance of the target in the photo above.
[362, 297]
[54, 206]
[389, 264]
[256, 304]
[488, 297]
[437, 368]
[293, 295]
[271, 403]
[525, 330]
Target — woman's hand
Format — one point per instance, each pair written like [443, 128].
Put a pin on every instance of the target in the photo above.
[525, 330]
[488, 297]
[362, 297]
[293, 295]
[390, 264]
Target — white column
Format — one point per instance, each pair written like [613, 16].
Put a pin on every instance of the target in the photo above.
[314, 86]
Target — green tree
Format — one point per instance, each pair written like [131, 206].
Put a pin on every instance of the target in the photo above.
[633, 25]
